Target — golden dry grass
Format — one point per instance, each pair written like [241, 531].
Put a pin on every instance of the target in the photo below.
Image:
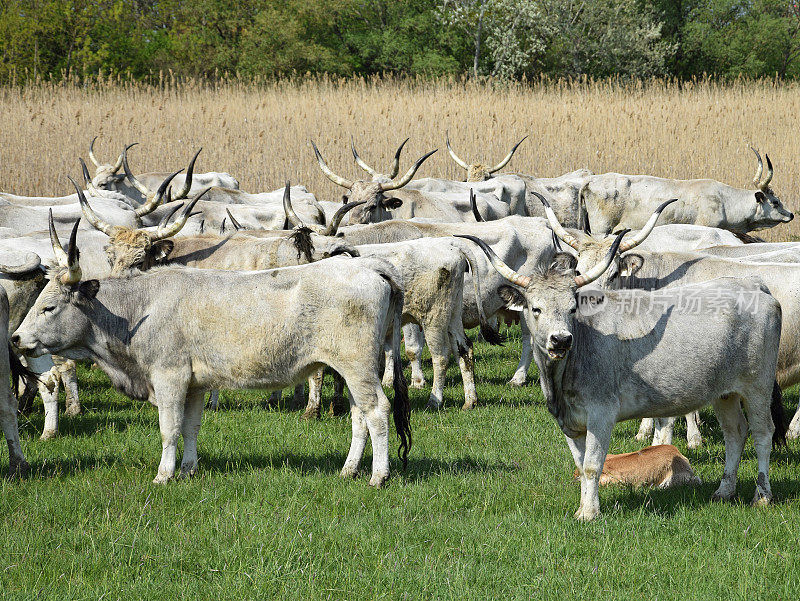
[260, 133]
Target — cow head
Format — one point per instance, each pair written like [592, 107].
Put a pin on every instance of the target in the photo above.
[138, 248]
[56, 321]
[105, 174]
[547, 296]
[590, 250]
[477, 172]
[374, 205]
[769, 210]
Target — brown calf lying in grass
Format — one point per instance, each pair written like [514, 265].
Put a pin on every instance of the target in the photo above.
[662, 465]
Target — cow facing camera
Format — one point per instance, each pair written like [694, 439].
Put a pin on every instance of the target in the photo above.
[591, 302]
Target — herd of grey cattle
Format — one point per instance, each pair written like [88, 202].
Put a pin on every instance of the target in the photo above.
[180, 284]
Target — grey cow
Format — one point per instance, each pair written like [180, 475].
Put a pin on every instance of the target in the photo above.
[611, 365]
[159, 340]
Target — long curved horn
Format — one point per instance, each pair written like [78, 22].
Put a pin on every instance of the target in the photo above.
[770, 173]
[555, 225]
[58, 250]
[117, 165]
[598, 270]
[73, 254]
[453, 155]
[505, 161]
[474, 206]
[87, 179]
[503, 269]
[336, 179]
[333, 226]
[234, 223]
[165, 220]
[32, 263]
[91, 153]
[395, 184]
[360, 162]
[759, 169]
[90, 215]
[648, 227]
[187, 183]
[177, 225]
[396, 163]
[134, 182]
[287, 207]
[153, 203]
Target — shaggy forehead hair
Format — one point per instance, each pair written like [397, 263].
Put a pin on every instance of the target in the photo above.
[555, 276]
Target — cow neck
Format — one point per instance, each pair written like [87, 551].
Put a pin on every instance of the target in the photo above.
[551, 379]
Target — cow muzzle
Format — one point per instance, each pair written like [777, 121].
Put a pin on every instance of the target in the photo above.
[558, 345]
[31, 348]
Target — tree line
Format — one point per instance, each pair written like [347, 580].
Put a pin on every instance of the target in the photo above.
[503, 39]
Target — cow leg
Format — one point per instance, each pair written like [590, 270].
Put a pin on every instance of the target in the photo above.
[275, 398]
[339, 403]
[17, 464]
[439, 346]
[357, 443]
[693, 436]
[645, 429]
[577, 446]
[525, 357]
[762, 428]
[734, 431]
[213, 400]
[313, 407]
[48, 389]
[664, 429]
[415, 341]
[68, 374]
[598, 438]
[299, 397]
[466, 363]
[170, 398]
[388, 372]
[192, 416]
[369, 403]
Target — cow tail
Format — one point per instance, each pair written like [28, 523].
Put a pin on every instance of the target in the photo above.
[778, 417]
[19, 372]
[489, 334]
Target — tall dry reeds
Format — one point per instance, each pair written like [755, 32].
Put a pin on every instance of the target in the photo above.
[260, 132]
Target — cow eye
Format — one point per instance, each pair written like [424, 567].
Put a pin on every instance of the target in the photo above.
[49, 308]
[573, 309]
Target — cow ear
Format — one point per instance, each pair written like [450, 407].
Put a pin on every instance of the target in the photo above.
[564, 262]
[389, 202]
[513, 298]
[88, 289]
[630, 264]
[344, 199]
[760, 196]
[161, 249]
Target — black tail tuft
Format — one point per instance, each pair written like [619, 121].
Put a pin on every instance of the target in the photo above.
[491, 335]
[778, 417]
[301, 237]
[401, 409]
[19, 371]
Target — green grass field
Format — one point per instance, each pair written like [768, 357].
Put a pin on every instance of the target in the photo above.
[484, 510]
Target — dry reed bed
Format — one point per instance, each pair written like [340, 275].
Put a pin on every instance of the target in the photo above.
[260, 133]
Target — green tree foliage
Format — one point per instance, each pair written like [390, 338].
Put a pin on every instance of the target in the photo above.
[494, 38]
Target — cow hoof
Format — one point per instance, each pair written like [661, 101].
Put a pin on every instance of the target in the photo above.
[761, 500]
[418, 383]
[468, 405]
[162, 478]
[73, 410]
[517, 381]
[379, 480]
[641, 437]
[585, 515]
[434, 405]
[187, 471]
[720, 497]
[48, 434]
[694, 443]
[311, 414]
[792, 434]
[18, 469]
[349, 472]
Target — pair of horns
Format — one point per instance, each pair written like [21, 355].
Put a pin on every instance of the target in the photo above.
[330, 229]
[629, 244]
[757, 181]
[385, 187]
[523, 281]
[68, 260]
[395, 164]
[464, 165]
[151, 203]
[163, 231]
[97, 163]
